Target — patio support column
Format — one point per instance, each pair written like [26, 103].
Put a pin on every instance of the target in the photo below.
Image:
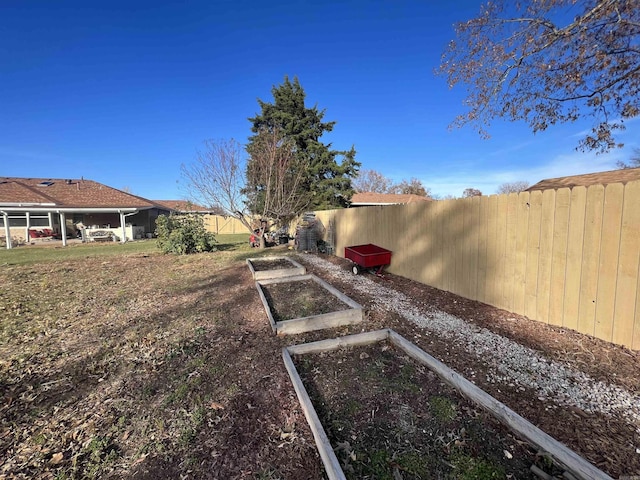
[124, 228]
[63, 228]
[26, 229]
[7, 229]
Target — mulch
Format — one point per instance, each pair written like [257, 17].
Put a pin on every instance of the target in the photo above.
[607, 442]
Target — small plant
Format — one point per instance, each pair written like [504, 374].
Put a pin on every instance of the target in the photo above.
[268, 474]
[378, 465]
[98, 454]
[352, 407]
[183, 234]
[414, 463]
[471, 468]
[187, 436]
[442, 408]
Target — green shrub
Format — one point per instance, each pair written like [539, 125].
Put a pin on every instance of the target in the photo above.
[183, 234]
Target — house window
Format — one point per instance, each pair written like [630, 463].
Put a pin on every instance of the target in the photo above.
[20, 220]
[39, 221]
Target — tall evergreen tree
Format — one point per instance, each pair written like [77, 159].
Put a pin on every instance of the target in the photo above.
[325, 182]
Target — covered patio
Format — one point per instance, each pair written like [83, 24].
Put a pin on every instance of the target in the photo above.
[32, 209]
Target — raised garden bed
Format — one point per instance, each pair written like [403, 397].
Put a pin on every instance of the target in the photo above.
[305, 303]
[274, 267]
[385, 409]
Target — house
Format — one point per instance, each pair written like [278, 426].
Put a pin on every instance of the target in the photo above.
[599, 178]
[367, 199]
[36, 207]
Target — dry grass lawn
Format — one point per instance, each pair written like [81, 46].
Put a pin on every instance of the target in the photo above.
[121, 362]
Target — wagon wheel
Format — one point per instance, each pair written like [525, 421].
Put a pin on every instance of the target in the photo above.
[356, 269]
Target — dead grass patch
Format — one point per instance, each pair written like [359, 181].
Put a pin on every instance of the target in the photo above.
[145, 366]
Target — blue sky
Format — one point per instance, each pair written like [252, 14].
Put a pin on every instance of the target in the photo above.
[125, 92]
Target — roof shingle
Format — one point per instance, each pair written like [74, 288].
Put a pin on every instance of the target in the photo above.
[599, 178]
[66, 193]
[181, 205]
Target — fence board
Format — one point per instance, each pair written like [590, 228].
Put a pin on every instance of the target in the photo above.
[501, 241]
[438, 251]
[608, 263]
[458, 243]
[590, 258]
[546, 250]
[449, 236]
[559, 256]
[482, 248]
[521, 253]
[574, 257]
[533, 254]
[510, 247]
[627, 288]
[417, 248]
[386, 228]
[464, 249]
[428, 215]
[472, 243]
[492, 267]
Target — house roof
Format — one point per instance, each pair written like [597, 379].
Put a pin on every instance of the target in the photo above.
[182, 205]
[370, 198]
[600, 178]
[65, 193]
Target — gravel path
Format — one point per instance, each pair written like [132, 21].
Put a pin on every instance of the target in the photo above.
[509, 362]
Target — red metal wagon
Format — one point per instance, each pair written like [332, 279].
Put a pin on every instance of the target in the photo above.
[368, 257]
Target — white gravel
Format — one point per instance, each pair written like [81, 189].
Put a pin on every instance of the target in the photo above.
[509, 362]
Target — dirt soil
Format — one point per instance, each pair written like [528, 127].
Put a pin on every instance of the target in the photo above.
[271, 264]
[391, 417]
[157, 366]
[299, 299]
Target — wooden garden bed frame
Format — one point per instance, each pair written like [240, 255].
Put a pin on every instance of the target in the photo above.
[350, 316]
[565, 457]
[296, 269]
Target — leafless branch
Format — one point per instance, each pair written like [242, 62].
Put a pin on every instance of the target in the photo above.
[216, 178]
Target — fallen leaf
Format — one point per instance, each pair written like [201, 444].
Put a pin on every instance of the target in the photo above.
[216, 406]
[141, 459]
[57, 458]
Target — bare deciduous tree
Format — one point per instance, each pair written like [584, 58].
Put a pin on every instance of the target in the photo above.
[413, 186]
[216, 178]
[634, 161]
[513, 187]
[471, 192]
[371, 181]
[550, 61]
[277, 175]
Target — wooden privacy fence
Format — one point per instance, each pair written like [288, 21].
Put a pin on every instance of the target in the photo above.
[219, 224]
[566, 257]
